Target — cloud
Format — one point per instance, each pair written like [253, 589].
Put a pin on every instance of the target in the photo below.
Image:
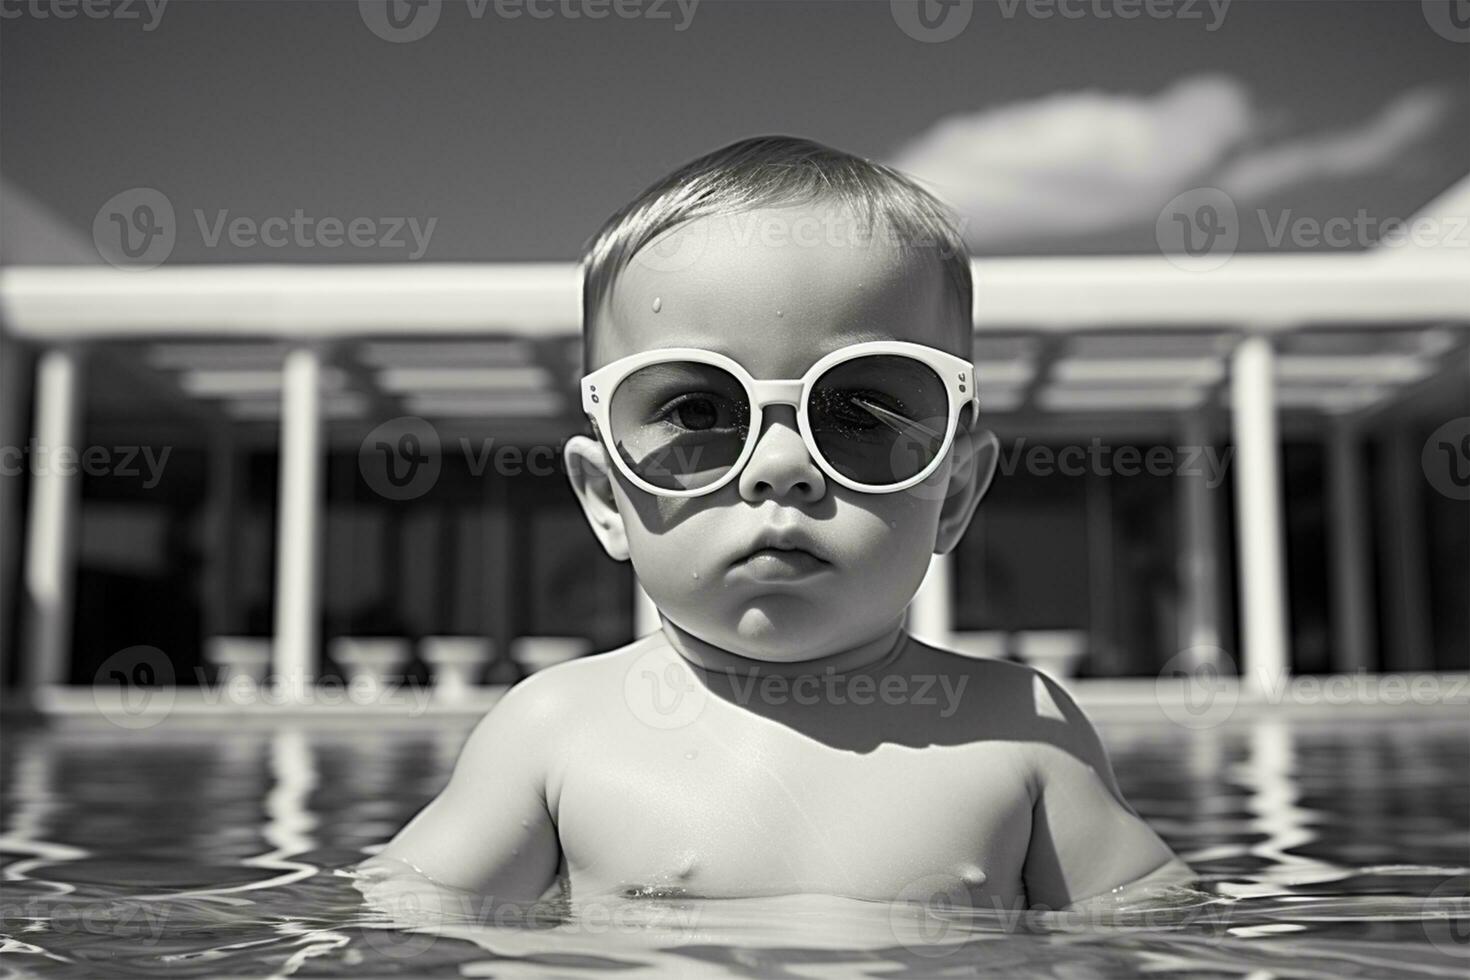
[1080, 163]
[1370, 148]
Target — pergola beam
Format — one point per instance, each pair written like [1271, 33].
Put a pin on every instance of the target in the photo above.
[543, 299]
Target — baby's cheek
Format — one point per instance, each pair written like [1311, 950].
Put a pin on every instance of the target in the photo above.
[888, 527]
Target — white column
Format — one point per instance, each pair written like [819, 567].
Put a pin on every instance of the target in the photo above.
[931, 618]
[1199, 625]
[645, 613]
[50, 562]
[1261, 562]
[1354, 628]
[299, 522]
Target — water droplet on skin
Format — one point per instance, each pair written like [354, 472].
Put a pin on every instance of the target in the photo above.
[694, 575]
[779, 313]
[691, 755]
[658, 303]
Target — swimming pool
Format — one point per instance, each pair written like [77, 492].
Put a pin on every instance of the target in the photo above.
[1326, 850]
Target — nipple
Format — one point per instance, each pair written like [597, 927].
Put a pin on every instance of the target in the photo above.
[658, 303]
[972, 876]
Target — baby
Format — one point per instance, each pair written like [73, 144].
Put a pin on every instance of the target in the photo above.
[784, 423]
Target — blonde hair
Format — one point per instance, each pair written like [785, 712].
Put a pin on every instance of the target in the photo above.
[767, 171]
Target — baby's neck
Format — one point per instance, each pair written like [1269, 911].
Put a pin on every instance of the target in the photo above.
[886, 646]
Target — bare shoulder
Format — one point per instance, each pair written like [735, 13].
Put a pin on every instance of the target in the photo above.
[542, 710]
[1019, 702]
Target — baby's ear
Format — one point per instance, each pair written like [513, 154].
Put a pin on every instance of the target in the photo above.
[976, 453]
[591, 479]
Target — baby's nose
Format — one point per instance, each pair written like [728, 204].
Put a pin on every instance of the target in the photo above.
[780, 466]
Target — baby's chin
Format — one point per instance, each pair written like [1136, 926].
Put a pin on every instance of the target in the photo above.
[776, 630]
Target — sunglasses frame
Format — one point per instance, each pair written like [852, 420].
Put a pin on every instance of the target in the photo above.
[957, 375]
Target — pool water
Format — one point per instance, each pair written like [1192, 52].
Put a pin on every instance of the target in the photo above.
[1323, 852]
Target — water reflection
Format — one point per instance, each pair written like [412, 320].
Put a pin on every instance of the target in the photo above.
[1323, 852]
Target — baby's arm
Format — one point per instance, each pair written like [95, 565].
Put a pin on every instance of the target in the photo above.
[1086, 841]
[490, 831]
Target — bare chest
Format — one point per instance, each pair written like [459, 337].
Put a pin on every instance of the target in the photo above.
[727, 818]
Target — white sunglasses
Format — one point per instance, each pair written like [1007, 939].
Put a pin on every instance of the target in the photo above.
[877, 417]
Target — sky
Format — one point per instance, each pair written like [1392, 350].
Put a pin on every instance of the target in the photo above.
[1053, 129]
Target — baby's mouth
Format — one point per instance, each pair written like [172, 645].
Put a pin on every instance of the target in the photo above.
[772, 563]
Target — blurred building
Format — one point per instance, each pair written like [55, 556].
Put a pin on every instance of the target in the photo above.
[1263, 467]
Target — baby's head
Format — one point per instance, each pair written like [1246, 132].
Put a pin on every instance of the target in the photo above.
[763, 536]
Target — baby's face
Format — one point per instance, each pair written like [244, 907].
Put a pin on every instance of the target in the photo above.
[776, 290]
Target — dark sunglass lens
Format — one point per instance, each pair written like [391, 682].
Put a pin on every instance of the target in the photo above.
[879, 420]
[679, 425]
